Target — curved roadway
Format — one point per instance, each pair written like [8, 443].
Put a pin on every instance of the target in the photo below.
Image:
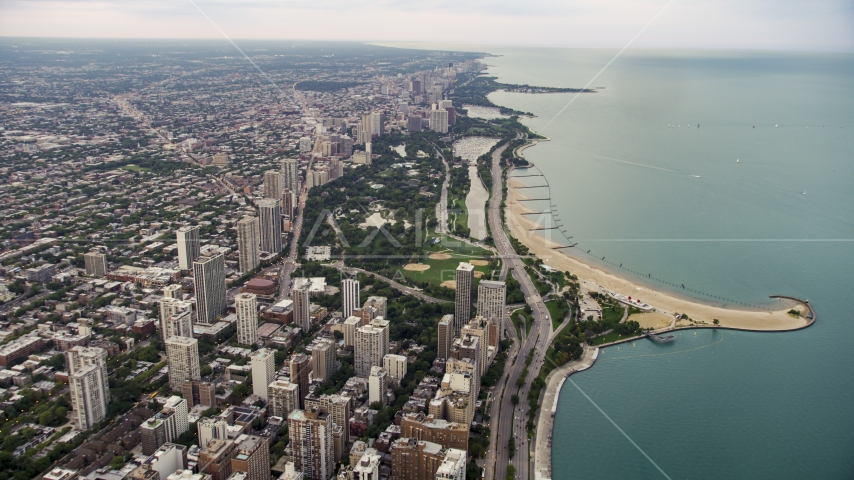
[511, 420]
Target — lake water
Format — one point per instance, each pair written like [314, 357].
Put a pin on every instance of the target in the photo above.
[638, 182]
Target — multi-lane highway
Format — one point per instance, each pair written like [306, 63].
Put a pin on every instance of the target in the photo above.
[511, 420]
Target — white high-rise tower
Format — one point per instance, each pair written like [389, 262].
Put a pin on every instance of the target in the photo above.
[270, 212]
[182, 355]
[248, 243]
[290, 175]
[273, 186]
[349, 296]
[189, 247]
[246, 305]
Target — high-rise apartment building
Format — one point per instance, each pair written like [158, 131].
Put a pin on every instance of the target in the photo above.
[439, 121]
[301, 308]
[215, 459]
[248, 243]
[349, 296]
[211, 428]
[263, 371]
[377, 385]
[252, 456]
[88, 401]
[87, 379]
[462, 301]
[446, 336]
[189, 247]
[413, 459]
[270, 214]
[180, 324]
[165, 426]
[273, 184]
[95, 263]
[300, 369]
[209, 279]
[312, 444]
[283, 397]
[290, 175]
[371, 346]
[396, 366]
[454, 465]
[479, 327]
[492, 304]
[79, 357]
[349, 326]
[246, 307]
[182, 355]
[198, 392]
[339, 407]
[174, 290]
[170, 306]
[368, 467]
[378, 305]
[323, 358]
[455, 399]
[289, 204]
[436, 430]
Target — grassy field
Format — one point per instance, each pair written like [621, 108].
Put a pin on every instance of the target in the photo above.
[554, 314]
[442, 270]
[134, 168]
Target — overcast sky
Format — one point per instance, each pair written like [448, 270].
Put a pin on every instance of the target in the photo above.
[825, 25]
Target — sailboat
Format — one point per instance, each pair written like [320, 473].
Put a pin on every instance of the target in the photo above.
[737, 160]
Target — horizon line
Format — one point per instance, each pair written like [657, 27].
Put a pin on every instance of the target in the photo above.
[441, 45]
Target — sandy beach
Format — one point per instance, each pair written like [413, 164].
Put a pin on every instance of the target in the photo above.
[595, 278]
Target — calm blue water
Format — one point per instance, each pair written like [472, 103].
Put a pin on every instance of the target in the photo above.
[672, 202]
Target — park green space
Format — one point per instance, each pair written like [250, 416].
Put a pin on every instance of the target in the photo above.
[442, 270]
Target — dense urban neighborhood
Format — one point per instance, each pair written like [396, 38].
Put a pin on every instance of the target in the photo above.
[218, 267]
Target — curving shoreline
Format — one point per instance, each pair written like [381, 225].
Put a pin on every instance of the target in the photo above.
[598, 279]
[595, 278]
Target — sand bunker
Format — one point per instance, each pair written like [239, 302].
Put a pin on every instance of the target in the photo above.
[416, 267]
[452, 284]
[479, 263]
[439, 256]
[478, 274]
[652, 320]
